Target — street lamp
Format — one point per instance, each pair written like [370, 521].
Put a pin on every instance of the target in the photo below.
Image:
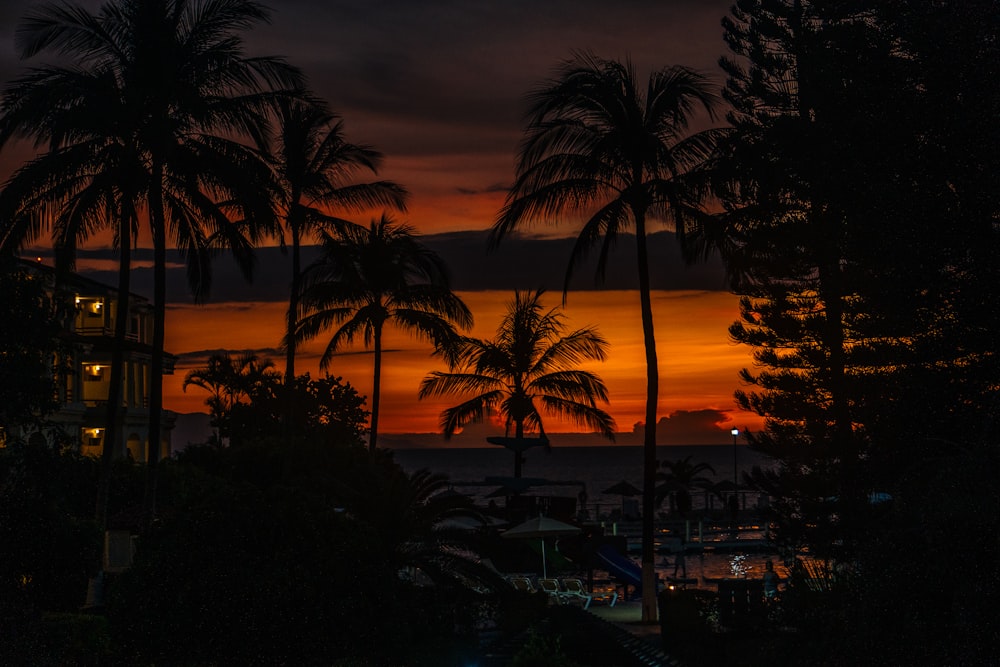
[736, 479]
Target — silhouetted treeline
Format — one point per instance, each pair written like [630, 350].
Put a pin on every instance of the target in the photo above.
[862, 198]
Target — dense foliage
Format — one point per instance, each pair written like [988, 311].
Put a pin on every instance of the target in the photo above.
[248, 403]
[298, 551]
[28, 360]
[862, 230]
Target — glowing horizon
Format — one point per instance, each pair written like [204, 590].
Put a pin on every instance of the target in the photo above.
[698, 364]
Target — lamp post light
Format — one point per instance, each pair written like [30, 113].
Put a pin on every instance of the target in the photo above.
[736, 478]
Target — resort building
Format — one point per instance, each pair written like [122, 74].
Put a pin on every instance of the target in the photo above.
[84, 378]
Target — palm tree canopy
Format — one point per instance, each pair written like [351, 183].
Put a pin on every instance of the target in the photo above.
[599, 148]
[167, 82]
[230, 379]
[368, 276]
[180, 87]
[317, 168]
[179, 61]
[682, 475]
[527, 369]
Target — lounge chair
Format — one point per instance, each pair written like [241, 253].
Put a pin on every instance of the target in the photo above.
[522, 584]
[573, 590]
[551, 588]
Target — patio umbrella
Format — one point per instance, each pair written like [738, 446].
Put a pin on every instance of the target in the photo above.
[541, 527]
[622, 489]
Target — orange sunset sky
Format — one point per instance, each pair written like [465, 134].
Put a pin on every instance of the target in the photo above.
[438, 87]
[698, 363]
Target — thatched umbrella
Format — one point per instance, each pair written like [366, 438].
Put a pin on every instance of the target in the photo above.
[623, 489]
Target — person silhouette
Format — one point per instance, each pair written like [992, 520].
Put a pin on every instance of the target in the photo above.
[680, 563]
[770, 581]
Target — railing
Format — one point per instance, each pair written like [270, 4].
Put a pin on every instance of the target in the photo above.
[106, 331]
[102, 402]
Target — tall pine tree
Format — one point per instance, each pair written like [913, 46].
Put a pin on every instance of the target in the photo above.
[862, 213]
[804, 121]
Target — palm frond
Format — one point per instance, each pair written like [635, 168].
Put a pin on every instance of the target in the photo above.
[439, 383]
[581, 413]
[471, 411]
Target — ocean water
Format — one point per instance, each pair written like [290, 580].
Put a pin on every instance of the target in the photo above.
[594, 469]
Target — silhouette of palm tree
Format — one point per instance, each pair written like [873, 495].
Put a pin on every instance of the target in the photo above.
[230, 380]
[679, 478]
[599, 145]
[528, 368]
[93, 182]
[368, 277]
[315, 165]
[185, 86]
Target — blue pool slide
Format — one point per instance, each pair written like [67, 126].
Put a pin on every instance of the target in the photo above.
[621, 567]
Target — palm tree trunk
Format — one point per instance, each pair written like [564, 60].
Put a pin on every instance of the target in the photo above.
[158, 223]
[293, 309]
[649, 610]
[112, 421]
[293, 300]
[376, 386]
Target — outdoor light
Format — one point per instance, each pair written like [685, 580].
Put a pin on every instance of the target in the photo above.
[736, 478]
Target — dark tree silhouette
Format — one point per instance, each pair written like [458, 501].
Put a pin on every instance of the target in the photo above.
[529, 368]
[599, 146]
[316, 167]
[185, 87]
[372, 276]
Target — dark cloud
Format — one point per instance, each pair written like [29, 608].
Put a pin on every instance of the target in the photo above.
[520, 262]
[198, 358]
[489, 189]
[448, 77]
[436, 79]
[524, 262]
[460, 70]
